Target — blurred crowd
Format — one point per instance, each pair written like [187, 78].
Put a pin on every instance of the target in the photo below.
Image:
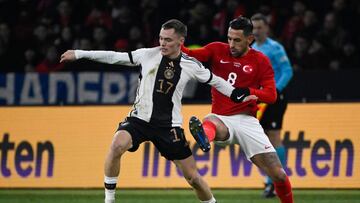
[321, 34]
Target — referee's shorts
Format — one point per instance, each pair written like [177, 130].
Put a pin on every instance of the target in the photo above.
[272, 118]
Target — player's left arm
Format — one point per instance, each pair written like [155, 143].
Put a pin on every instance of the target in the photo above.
[204, 75]
[107, 57]
[267, 92]
[286, 72]
[237, 95]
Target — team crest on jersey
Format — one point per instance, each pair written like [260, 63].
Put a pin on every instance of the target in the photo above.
[247, 69]
[169, 73]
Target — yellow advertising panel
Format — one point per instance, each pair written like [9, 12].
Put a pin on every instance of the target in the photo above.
[64, 147]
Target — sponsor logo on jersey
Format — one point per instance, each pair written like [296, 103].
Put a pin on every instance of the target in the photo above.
[222, 61]
[267, 146]
[237, 64]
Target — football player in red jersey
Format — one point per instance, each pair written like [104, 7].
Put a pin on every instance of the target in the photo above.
[251, 73]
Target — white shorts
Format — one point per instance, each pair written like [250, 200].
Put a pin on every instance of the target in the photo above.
[246, 131]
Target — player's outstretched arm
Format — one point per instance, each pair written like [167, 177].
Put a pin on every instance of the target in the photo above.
[108, 57]
[68, 56]
[237, 95]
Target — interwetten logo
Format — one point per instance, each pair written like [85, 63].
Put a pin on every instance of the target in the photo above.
[320, 150]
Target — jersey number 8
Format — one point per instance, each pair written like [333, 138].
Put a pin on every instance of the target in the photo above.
[231, 78]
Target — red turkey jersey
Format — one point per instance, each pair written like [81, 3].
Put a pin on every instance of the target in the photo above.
[252, 70]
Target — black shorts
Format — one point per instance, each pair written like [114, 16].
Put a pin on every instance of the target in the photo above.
[274, 113]
[170, 141]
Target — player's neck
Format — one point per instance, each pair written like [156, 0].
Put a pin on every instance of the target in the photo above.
[174, 55]
[245, 52]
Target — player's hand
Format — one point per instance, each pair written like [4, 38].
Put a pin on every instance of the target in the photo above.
[250, 97]
[68, 56]
[239, 94]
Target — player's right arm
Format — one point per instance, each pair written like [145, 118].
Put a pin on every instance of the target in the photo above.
[108, 57]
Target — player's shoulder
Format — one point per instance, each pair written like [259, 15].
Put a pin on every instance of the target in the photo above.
[190, 60]
[217, 48]
[148, 51]
[217, 45]
[145, 55]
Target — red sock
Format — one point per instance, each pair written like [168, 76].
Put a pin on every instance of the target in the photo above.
[210, 130]
[283, 191]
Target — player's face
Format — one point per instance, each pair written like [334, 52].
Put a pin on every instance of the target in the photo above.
[238, 42]
[260, 30]
[170, 43]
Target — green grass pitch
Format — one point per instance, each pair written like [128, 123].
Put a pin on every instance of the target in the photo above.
[170, 196]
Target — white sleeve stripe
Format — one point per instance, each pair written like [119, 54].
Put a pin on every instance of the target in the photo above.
[186, 57]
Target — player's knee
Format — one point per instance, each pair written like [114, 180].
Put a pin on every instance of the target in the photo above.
[117, 149]
[222, 132]
[119, 145]
[279, 176]
[194, 181]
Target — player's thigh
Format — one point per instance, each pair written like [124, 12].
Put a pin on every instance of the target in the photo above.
[132, 132]
[221, 128]
[227, 131]
[249, 134]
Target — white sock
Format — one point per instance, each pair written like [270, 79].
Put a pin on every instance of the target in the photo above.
[109, 195]
[212, 200]
[110, 191]
[109, 200]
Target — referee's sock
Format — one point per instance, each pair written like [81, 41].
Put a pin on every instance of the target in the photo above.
[281, 154]
[210, 130]
[110, 186]
[284, 191]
